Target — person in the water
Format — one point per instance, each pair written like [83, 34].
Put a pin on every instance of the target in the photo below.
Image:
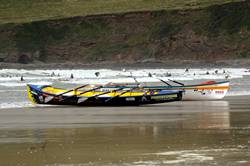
[21, 79]
[97, 74]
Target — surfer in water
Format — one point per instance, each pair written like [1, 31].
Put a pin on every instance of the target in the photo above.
[21, 79]
[52, 74]
[97, 74]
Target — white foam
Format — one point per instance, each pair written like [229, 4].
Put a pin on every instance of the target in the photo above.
[18, 84]
[242, 162]
[174, 161]
[193, 156]
[16, 104]
[107, 73]
[40, 83]
[194, 151]
[180, 158]
[238, 93]
[24, 104]
[11, 90]
[12, 84]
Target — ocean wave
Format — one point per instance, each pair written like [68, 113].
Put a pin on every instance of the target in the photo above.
[238, 93]
[16, 104]
[214, 73]
[19, 84]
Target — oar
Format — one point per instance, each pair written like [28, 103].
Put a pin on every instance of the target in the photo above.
[164, 81]
[120, 94]
[93, 89]
[51, 96]
[84, 99]
[177, 82]
[137, 82]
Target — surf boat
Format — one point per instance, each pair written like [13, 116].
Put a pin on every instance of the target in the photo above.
[96, 96]
[209, 90]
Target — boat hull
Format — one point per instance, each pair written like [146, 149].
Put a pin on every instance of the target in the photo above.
[206, 92]
[38, 96]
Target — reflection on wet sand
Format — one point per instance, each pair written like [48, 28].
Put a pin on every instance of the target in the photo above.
[201, 134]
[218, 120]
[134, 144]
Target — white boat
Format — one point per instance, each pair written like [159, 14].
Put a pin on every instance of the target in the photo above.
[210, 90]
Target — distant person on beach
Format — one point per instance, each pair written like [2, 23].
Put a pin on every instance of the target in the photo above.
[149, 74]
[71, 76]
[207, 73]
[187, 70]
[216, 71]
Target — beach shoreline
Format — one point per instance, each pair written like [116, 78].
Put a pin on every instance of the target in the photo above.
[73, 116]
[41, 106]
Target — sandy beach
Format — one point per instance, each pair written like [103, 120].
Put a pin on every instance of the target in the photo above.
[190, 133]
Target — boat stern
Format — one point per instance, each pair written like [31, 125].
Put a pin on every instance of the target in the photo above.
[215, 91]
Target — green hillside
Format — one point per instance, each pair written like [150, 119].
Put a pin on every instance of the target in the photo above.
[20, 11]
[207, 34]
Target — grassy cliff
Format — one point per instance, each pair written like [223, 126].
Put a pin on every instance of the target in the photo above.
[20, 11]
[163, 30]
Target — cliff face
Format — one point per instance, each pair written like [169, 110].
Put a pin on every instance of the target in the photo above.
[209, 34]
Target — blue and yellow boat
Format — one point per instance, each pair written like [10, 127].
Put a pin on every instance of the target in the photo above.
[89, 95]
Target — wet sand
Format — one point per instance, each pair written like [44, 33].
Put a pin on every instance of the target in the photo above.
[178, 133]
